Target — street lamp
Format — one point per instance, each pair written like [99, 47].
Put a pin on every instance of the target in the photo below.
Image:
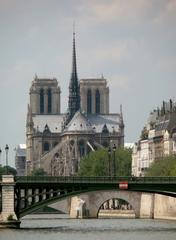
[114, 163]
[0, 156]
[109, 161]
[7, 150]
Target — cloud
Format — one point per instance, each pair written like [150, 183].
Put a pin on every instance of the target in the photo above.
[166, 13]
[116, 52]
[108, 11]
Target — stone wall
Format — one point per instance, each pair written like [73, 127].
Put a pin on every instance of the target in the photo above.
[164, 207]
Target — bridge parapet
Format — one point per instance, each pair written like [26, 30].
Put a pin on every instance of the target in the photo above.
[106, 179]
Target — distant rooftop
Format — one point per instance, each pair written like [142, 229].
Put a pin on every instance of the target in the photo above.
[129, 145]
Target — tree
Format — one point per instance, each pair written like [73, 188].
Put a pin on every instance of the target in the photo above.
[39, 172]
[165, 166]
[11, 170]
[144, 134]
[97, 163]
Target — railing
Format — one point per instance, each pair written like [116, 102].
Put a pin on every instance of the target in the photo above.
[70, 179]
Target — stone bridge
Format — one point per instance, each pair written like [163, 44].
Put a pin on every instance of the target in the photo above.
[20, 196]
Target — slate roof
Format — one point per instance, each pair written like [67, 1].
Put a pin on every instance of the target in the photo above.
[54, 122]
[79, 123]
[162, 125]
[99, 120]
[167, 124]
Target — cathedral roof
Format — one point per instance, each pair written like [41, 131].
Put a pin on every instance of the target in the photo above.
[53, 122]
[79, 123]
[98, 121]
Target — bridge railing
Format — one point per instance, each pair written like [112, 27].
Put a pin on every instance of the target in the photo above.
[107, 179]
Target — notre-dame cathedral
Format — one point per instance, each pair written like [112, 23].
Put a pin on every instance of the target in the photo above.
[57, 141]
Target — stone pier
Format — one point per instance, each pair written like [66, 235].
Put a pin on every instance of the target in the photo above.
[8, 217]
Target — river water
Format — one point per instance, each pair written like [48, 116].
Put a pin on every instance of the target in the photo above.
[51, 227]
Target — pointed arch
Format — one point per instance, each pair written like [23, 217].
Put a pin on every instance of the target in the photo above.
[81, 145]
[41, 100]
[46, 146]
[89, 101]
[97, 101]
[49, 93]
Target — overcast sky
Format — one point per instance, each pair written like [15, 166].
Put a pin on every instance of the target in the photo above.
[131, 42]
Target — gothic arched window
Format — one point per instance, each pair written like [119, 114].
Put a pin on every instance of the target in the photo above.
[89, 101]
[82, 148]
[46, 147]
[49, 100]
[41, 101]
[97, 101]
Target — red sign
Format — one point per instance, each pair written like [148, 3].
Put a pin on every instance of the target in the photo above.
[123, 185]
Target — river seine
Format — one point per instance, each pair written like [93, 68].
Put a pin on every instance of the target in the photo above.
[51, 227]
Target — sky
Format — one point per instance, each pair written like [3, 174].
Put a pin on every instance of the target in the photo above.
[132, 43]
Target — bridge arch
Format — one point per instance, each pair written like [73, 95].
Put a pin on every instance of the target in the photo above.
[95, 199]
[116, 207]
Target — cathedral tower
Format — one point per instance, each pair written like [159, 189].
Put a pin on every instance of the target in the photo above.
[45, 96]
[94, 94]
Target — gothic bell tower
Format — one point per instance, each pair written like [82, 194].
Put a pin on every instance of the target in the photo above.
[45, 96]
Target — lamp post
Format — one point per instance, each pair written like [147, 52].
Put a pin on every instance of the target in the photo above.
[109, 161]
[0, 156]
[7, 150]
[114, 163]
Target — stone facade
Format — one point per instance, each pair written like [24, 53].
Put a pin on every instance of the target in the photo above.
[158, 139]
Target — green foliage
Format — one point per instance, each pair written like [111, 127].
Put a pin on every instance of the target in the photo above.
[165, 166]
[38, 172]
[97, 163]
[11, 170]
[144, 134]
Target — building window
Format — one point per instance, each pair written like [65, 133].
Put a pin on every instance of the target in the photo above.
[41, 101]
[89, 101]
[49, 100]
[97, 101]
[46, 147]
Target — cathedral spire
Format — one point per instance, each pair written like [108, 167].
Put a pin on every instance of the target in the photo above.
[74, 94]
